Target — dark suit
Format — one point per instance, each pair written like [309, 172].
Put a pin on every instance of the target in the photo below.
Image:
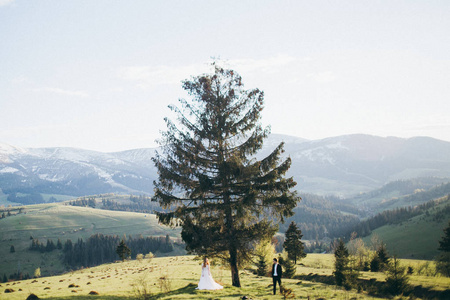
[276, 278]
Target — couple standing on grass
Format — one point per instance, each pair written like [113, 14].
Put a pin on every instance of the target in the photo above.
[207, 282]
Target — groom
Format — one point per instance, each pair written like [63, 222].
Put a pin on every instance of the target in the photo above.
[276, 275]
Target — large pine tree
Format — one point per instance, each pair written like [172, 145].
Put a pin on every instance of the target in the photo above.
[209, 181]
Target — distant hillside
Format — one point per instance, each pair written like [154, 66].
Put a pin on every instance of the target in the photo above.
[399, 193]
[416, 237]
[349, 165]
[58, 221]
[343, 166]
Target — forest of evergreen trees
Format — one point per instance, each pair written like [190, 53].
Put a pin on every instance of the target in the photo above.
[100, 249]
[26, 199]
[318, 217]
[140, 204]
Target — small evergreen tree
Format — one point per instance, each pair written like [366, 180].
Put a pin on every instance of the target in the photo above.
[344, 275]
[341, 263]
[50, 246]
[59, 245]
[293, 244]
[443, 259]
[289, 268]
[262, 266]
[12, 249]
[122, 250]
[383, 257]
[444, 244]
[263, 253]
[396, 279]
[375, 264]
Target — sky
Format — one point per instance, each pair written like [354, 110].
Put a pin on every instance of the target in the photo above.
[99, 75]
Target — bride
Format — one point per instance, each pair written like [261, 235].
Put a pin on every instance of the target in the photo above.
[206, 280]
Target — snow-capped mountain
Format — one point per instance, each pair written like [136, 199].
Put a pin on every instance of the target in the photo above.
[73, 171]
[342, 165]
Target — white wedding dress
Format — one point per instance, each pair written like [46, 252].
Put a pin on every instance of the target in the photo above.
[207, 282]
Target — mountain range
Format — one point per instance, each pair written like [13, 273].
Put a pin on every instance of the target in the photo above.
[343, 166]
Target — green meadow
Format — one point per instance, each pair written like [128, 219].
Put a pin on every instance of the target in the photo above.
[56, 220]
[177, 278]
[417, 237]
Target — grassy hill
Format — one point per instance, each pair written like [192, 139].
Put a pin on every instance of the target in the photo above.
[56, 220]
[177, 277]
[417, 237]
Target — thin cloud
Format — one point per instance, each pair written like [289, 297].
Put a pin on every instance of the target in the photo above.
[148, 76]
[64, 92]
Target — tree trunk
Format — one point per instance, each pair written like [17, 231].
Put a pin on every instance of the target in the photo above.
[234, 268]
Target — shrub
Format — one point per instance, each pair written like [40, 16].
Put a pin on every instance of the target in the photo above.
[443, 264]
[140, 257]
[149, 255]
[37, 273]
[141, 288]
[165, 283]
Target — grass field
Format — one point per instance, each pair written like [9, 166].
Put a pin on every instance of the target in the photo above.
[416, 238]
[55, 220]
[177, 277]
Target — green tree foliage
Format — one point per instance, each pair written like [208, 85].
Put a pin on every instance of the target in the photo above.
[444, 244]
[383, 257]
[319, 217]
[263, 255]
[12, 249]
[261, 266]
[293, 244]
[59, 245]
[37, 273]
[100, 249]
[289, 268]
[224, 199]
[343, 273]
[122, 250]
[359, 252]
[380, 261]
[443, 259]
[396, 279]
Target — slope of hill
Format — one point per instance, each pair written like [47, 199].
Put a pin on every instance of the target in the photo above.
[58, 221]
[170, 278]
[343, 165]
[348, 165]
[416, 237]
[399, 193]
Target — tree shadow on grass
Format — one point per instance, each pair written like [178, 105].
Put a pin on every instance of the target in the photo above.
[189, 289]
[90, 297]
